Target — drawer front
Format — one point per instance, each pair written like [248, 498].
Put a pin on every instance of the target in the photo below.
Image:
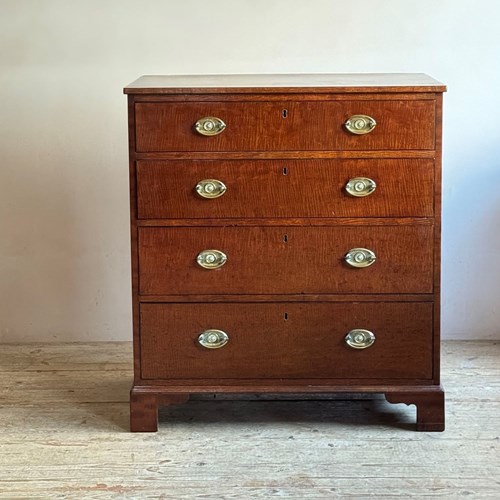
[284, 188]
[264, 260]
[285, 126]
[279, 340]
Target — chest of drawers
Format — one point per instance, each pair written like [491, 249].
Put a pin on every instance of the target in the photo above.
[285, 238]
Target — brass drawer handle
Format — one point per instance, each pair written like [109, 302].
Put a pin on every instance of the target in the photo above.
[209, 125]
[360, 186]
[360, 339]
[211, 259]
[213, 339]
[360, 124]
[210, 188]
[360, 257]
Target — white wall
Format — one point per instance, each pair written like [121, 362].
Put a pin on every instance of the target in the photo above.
[64, 237]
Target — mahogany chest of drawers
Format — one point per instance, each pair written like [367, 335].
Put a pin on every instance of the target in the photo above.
[286, 238]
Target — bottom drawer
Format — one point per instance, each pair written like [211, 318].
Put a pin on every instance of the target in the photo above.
[287, 340]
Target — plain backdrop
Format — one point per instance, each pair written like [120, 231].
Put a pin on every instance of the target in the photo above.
[64, 233]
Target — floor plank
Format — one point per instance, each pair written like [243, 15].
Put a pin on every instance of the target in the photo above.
[64, 421]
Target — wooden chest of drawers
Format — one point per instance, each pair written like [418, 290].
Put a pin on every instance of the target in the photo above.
[286, 238]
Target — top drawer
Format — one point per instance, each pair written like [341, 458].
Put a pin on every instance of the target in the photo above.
[285, 125]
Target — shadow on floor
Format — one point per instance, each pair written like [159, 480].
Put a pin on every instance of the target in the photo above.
[339, 412]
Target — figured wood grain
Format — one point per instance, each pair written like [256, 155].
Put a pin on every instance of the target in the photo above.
[248, 97]
[276, 341]
[285, 260]
[282, 155]
[293, 188]
[261, 126]
[294, 83]
[287, 221]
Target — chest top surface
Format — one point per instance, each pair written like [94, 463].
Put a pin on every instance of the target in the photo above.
[277, 83]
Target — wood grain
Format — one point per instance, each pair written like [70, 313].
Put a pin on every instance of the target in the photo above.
[292, 83]
[144, 408]
[324, 297]
[61, 444]
[286, 188]
[290, 96]
[283, 155]
[284, 260]
[287, 221]
[292, 341]
[261, 126]
[437, 238]
[134, 254]
[430, 407]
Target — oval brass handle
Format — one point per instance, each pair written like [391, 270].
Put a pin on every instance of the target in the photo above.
[213, 339]
[209, 125]
[360, 257]
[211, 259]
[360, 124]
[360, 186]
[210, 188]
[360, 339]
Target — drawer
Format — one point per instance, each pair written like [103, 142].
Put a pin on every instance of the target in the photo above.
[284, 188]
[285, 259]
[279, 340]
[285, 126]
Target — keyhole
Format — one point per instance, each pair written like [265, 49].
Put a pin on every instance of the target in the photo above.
[285, 238]
[285, 170]
[286, 316]
[284, 113]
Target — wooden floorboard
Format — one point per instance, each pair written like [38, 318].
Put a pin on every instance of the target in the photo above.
[64, 434]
